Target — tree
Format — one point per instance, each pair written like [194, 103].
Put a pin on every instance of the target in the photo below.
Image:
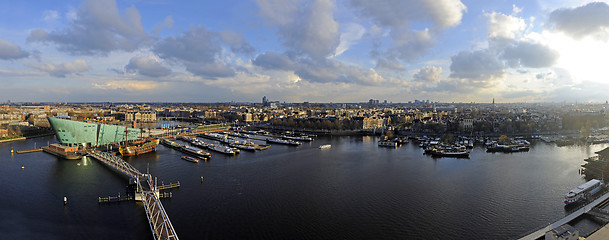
[503, 139]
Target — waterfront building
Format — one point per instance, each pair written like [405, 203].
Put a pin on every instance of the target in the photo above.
[145, 116]
[71, 133]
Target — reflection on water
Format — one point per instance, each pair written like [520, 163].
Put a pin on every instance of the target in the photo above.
[352, 190]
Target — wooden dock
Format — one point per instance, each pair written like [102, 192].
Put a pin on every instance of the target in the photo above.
[168, 186]
[30, 150]
[111, 199]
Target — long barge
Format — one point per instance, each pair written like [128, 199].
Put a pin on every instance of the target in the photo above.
[70, 153]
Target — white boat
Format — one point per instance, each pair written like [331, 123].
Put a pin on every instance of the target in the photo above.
[388, 144]
[584, 191]
[300, 138]
[282, 141]
[326, 146]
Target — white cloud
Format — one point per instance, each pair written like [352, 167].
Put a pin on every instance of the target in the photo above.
[353, 32]
[428, 74]
[504, 26]
[66, 68]
[127, 85]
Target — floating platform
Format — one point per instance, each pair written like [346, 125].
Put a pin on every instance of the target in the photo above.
[30, 150]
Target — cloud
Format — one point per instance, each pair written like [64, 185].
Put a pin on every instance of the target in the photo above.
[389, 64]
[195, 45]
[530, 54]
[481, 65]
[11, 51]
[313, 33]
[353, 32]
[590, 19]
[503, 26]
[63, 69]
[273, 60]
[236, 42]
[148, 66]
[200, 50]
[428, 74]
[166, 24]
[336, 72]
[127, 85]
[50, 15]
[211, 71]
[408, 44]
[98, 28]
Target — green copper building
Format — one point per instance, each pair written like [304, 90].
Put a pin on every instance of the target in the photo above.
[70, 132]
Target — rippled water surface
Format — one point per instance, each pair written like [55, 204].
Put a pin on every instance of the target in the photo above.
[354, 190]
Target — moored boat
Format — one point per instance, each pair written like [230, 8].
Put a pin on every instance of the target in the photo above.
[387, 144]
[70, 153]
[190, 159]
[196, 152]
[140, 147]
[282, 141]
[583, 192]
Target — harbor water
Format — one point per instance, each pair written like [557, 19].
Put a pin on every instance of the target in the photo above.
[353, 190]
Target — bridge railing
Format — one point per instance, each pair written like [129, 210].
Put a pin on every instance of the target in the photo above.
[157, 217]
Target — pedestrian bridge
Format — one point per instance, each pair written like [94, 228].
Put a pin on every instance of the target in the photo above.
[147, 192]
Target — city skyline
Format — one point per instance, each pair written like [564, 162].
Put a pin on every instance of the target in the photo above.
[304, 51]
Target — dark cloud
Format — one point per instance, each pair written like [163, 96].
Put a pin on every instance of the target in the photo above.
[313, 33]
[527, 54]
[195, 45]
[236, 42]
[211, 71]
[98, 28]
[200, 50]
[476, 65]
[64, 69]
[580, 22]
[148, 66]
[389, 64]
[273, 60]
[11, 51]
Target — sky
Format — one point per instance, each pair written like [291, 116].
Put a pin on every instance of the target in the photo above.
[304, 50]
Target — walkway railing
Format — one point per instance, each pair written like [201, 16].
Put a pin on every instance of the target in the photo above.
[117, 163]
[157, 217]
[148, 192]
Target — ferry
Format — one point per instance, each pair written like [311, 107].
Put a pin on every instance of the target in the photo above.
[584, 191]
[190, 159]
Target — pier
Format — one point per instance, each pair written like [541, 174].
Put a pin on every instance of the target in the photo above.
[30, 150]
[147, 192]
[591, 207]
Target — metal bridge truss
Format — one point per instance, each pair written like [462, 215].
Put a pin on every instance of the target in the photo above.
[157, 217]
[117, 163]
